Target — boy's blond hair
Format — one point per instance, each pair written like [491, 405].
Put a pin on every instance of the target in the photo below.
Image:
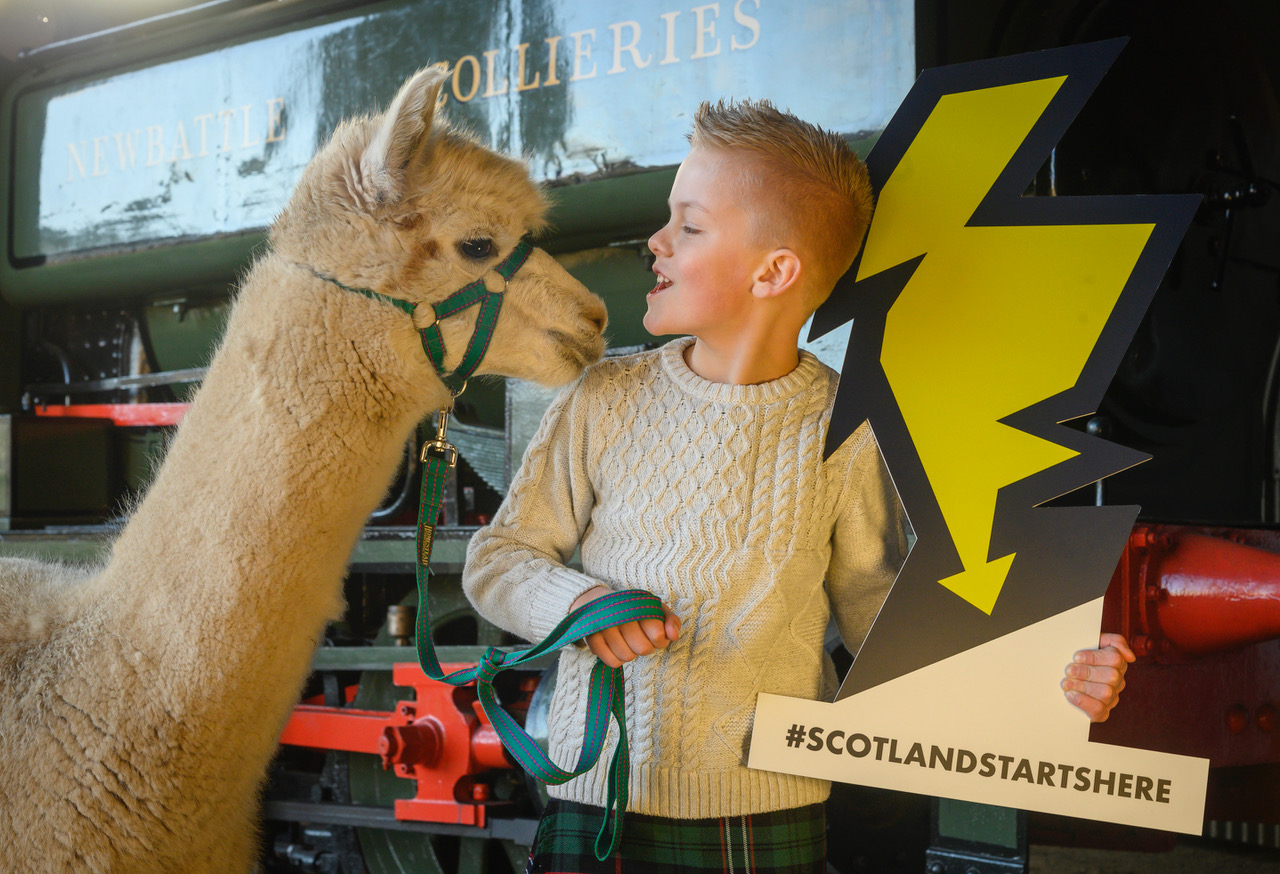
[810, 191]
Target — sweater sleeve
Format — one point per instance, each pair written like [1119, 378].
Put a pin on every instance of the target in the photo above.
[869, 544]
[516, 573]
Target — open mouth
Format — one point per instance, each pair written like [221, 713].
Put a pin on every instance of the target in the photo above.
[663, 284]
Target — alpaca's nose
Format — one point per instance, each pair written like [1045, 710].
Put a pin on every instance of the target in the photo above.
[597, 315]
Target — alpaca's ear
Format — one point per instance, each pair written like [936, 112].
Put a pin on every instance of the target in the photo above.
[400, 132]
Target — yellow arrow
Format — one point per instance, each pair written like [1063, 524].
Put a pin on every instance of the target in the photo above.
[994, 319]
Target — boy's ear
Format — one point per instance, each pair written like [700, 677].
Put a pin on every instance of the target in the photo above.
[778, 272]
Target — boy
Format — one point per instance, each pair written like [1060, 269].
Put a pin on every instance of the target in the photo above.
[695, 471]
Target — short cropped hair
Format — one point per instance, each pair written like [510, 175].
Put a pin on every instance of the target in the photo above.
[811, 191]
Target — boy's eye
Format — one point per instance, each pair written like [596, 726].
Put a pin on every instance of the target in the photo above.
[689, 230]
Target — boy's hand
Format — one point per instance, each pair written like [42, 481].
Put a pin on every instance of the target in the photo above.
[622, 643]
[1095, 676]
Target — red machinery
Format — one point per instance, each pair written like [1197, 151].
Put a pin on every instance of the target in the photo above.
[441, 740]
[1201, 606]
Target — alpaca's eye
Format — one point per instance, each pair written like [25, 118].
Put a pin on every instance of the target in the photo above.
[476, 249]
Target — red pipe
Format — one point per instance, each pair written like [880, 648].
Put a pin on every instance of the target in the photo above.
[1215, 594]
[333, 728]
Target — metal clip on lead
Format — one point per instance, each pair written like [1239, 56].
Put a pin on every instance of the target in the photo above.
[440, 446]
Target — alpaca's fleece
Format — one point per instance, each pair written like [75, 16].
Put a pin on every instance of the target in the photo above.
[140, 704]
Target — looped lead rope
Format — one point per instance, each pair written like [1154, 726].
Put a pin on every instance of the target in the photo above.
[604, 692]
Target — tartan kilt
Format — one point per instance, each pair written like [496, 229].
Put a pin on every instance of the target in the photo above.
[781, 842]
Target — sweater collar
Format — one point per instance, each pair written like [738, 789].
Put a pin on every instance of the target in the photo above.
[782, 388]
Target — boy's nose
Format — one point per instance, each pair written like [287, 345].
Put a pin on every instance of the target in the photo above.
[655, 241]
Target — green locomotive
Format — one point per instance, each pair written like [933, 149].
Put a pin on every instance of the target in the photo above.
[143, 161]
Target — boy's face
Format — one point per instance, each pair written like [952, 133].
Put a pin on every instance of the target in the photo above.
[705, 256]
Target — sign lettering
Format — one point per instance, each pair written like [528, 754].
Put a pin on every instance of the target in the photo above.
[633, 45]
[257, 125]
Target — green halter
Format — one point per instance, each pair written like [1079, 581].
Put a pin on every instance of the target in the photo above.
[467, 296]
[605, 691]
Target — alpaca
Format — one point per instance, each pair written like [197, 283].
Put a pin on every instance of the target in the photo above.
[140, 703]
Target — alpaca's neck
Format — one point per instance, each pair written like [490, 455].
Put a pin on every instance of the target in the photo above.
[236, 556]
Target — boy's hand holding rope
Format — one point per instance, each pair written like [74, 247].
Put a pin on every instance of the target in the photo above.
[623, 643]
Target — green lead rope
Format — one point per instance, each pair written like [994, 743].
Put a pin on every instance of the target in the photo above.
[604, 694]
[605, 689]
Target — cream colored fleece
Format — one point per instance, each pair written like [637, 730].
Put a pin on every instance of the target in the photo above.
[716, 498]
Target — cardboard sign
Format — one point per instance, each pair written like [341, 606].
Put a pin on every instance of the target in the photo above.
[982, 320]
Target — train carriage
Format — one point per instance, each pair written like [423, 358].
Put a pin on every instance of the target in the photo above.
[146, 149]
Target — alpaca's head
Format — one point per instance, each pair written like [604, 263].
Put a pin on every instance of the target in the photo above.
[403, 204]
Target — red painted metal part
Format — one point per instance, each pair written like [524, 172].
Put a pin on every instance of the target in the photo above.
[124, 415]
[440, 740]
[1195, 591]
[333, 728]
[1201, 607]
[1218, 595]
[466, 744]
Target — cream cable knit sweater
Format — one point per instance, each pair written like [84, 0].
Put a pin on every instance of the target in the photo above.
[715, 498]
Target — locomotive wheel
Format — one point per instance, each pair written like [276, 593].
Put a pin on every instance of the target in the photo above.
[454, 622]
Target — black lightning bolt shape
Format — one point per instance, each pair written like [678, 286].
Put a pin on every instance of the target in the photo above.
[1064, 556]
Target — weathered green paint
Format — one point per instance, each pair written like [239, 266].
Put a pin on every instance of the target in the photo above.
[373, 549]
[202, 144]
[617, 208]
[138, 452]
[185, 333]
[622, 277]
[130, 277]
[81, 549]
[384, 658]
[483, 402]
[6, 472]
[447, 557]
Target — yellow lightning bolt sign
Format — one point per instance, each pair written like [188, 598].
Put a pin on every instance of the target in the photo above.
[984, 319]
[1010, 314]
